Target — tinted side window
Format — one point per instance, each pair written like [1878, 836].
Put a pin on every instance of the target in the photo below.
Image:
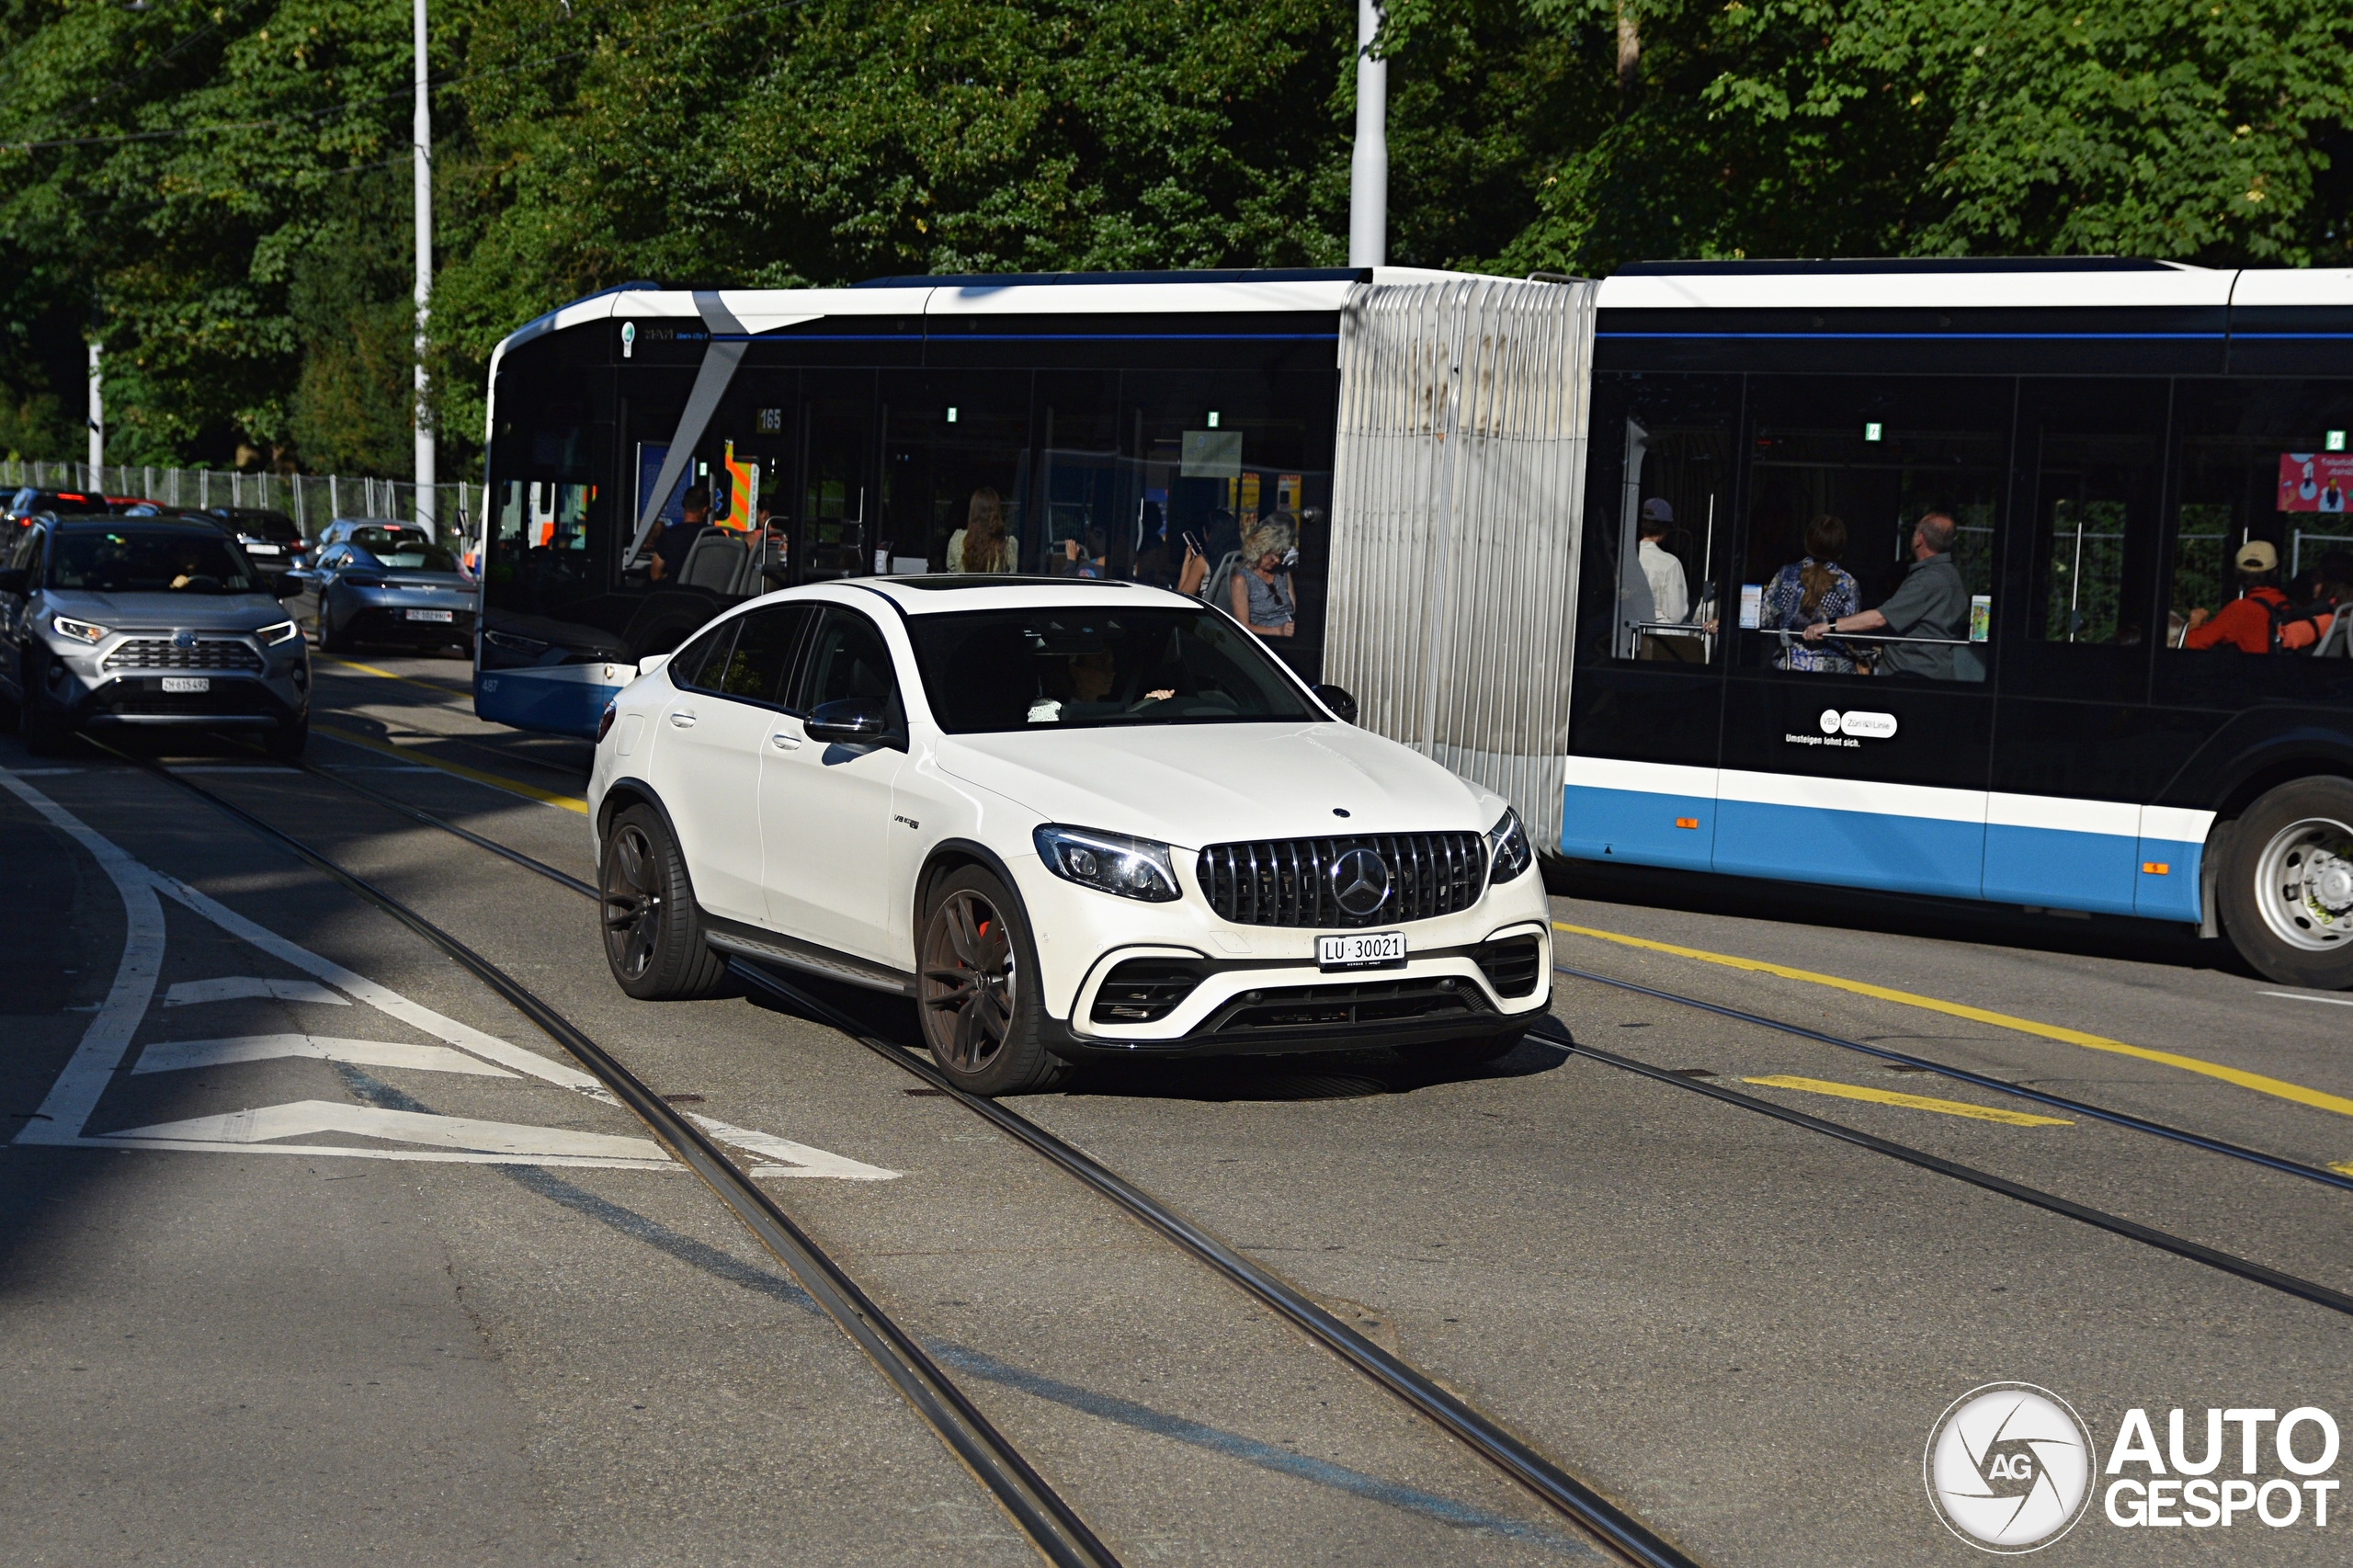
[706, 655]
[847, 659]
[761, 660]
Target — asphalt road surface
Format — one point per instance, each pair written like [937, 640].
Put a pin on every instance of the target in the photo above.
[316, 1248]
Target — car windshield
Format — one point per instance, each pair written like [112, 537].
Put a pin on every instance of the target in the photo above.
[412, 553]
[148, 561]
[990, 671]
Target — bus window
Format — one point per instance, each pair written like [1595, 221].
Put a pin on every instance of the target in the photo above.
[955, 472]
[2097, 450]
[837, 501]
[1083, 485]
[1901, 479]
[1661, 521]
[2262, 548]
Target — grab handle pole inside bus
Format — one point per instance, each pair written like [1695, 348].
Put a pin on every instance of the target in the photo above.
[719, 363]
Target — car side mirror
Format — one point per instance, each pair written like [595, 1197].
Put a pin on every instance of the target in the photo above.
[12, 581]
[286, 586]
[1339, 700]
[852, 720]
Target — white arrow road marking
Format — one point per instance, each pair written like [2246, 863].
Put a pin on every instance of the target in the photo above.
[798, 1159]
[449, 1138]
[177, 1055]
[75, 1093]
[303, 1117]
[188, 993]
[383, 998]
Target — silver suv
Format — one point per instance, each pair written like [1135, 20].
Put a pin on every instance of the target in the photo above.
[146, 621]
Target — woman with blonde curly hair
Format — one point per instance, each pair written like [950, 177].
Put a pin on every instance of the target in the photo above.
[983, 544]
[1262, 598]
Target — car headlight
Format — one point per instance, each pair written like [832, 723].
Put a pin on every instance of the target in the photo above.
[271, 636]
[1507, 849]
[1109, 862]
[80, 631]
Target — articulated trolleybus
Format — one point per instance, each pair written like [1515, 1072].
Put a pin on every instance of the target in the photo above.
[2003, 579]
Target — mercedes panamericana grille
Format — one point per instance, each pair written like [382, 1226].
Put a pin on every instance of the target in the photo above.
[1069, 820]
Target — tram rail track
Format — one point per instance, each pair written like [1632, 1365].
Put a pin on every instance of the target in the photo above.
[1552, 1033]
[1050, 1525]
[1614, 1526]
[2281, 1162]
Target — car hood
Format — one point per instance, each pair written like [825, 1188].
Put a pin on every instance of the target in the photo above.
[169, 612]
[1196, 784]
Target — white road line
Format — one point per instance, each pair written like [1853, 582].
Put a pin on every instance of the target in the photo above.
[237, 988]
[305, 1117]
[2300, 997]
[75, 1093]
[178, 1055]
[382, 997]
[798, 1159]
[345, 1152]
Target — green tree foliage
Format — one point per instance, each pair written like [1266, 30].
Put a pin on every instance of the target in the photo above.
[222, 189]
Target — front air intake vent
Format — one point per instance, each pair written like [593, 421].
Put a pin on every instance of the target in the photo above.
[1144, 991]
[1511, 965]
[1387, 878]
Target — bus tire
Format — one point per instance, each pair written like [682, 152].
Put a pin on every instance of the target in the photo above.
[2286, 887]
[652, 928]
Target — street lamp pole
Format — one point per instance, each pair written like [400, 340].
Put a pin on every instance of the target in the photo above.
[1369, 168]
[423, 160]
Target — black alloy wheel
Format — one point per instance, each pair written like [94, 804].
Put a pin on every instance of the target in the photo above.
[653, 931]
[977, 991]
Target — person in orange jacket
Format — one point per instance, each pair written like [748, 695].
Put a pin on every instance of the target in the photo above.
[2245, 622]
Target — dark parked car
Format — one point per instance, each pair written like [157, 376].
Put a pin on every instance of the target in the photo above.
[268, 537]
[30, 502]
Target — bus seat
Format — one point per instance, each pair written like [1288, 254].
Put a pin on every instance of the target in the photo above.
[711, 562]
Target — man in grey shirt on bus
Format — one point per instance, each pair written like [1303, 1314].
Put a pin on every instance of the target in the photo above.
[1932, 601]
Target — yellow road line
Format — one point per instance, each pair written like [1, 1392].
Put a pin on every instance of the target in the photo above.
[497, 782]
[2276, 1087]
[388, 675]
[1909, 1102]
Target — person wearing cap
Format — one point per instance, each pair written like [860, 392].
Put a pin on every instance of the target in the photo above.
[2245, 622]
[1662, 575]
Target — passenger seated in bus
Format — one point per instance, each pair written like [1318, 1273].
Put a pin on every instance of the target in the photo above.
[1931, 602]
[672, 540]
[983, 544]
[1815, 589]
[2245, 622]
[1261, 592]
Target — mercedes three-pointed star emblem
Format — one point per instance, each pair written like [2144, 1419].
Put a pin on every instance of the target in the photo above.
[1360, 882]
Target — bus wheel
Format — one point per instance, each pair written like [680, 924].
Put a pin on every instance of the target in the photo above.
[2287, 884]
[653, 931]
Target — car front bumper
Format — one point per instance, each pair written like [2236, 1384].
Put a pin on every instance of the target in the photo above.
[1258, 989]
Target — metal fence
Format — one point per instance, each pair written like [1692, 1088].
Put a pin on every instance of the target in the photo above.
[313, 500]
[1458, 494]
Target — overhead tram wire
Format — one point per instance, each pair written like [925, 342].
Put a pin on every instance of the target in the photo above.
[2320, 1174]
[1577, 1500]
[1051, 1526]
[2116, 1224]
